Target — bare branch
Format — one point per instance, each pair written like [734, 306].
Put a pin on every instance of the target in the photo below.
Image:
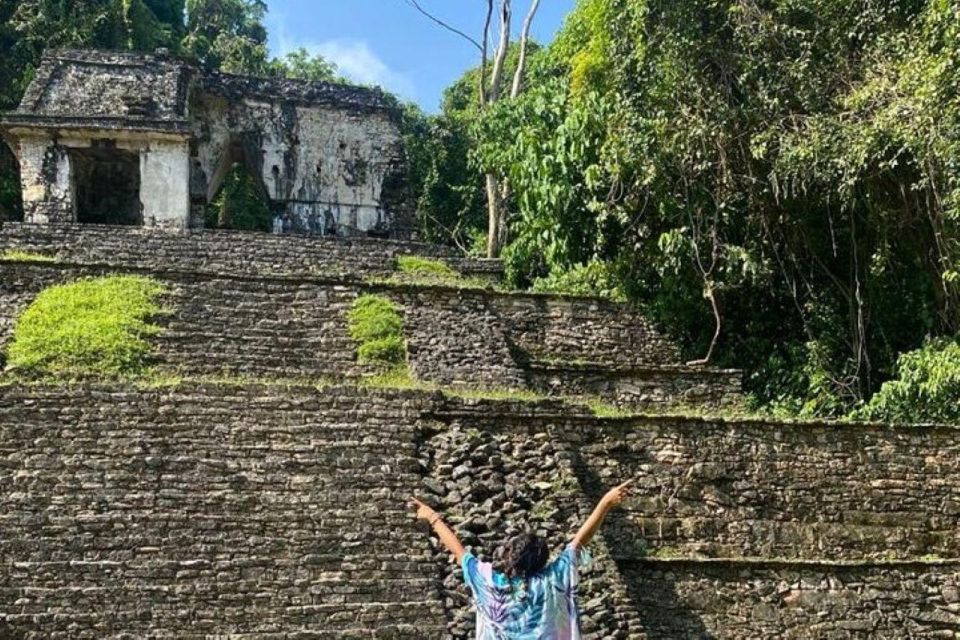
[503, 48]
[416, 5]
[484, 59]
[524, 41]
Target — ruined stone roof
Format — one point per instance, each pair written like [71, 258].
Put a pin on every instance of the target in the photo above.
[298, 91]
[102, 89]
[92, 89]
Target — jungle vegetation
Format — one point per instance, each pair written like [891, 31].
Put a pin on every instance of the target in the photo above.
[775, 182]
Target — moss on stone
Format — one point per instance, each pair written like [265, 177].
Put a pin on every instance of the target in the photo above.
[420, 266]
[94, 327]
[376, 324]
[17, 255]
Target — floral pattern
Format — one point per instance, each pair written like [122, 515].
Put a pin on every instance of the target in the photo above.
[541, 608]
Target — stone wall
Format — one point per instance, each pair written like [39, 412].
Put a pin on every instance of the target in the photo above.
[458, 338]
[745, 601]
[45, 180]
[189, 513]
[297, 328]
[268, 512]
[640, 387]
[731, 488]
[328, 168]
[165, 184]
[572, 330]
[228, 253]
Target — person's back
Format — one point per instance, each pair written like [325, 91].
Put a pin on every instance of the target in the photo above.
[527, 598]
[541, 606]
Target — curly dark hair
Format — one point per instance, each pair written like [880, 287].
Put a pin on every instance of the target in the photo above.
[522, 556]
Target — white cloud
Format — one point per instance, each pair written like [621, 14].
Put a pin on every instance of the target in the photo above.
[355, 59]
[358, 62]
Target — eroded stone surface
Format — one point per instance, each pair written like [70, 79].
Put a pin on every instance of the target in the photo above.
[259, 512]
[297, 327]
[327, 158]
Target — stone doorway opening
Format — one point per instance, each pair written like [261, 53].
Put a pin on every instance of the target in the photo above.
[237, 196]
[106, 186]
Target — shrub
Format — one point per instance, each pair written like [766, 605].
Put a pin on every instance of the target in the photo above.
[377, 325]
[927, 389]
[90, 327]
[592, 279]
[391, 349]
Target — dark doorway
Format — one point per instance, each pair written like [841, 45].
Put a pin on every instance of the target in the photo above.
[11, 203]
[106, 186]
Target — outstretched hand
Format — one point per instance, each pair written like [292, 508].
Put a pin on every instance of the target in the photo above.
[615, 496]
[447, 537]
[424, 512]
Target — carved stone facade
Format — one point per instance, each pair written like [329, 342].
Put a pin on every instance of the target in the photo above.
[148, 139]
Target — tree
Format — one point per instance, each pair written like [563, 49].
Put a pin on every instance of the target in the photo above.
[302, 65]
[228, 35]
[775, 182]
[490, 90]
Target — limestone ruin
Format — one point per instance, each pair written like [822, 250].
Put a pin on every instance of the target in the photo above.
[148, 139]
[255, 485]
[238, 502]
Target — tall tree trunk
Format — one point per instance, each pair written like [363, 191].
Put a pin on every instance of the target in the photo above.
[496, 216]
[489, 93]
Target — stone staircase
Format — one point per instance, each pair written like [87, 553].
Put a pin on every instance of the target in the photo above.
[273, 318]
[244, 503]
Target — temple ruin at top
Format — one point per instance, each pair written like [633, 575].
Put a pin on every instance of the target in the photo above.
[148, 139]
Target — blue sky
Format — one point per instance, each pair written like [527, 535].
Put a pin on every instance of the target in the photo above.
[387, 42]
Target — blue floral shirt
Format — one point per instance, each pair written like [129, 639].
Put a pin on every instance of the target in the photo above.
[542, 608]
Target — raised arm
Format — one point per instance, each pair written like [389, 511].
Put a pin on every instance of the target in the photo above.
[612, 499]
[445, 533]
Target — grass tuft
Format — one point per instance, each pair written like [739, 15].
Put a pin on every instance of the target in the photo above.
[603, 409]
[430, 267]
[94, 327]
[18, 255]
[420, 271]
[376, 324]
[397, 377]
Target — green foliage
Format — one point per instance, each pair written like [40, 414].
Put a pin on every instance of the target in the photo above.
[17, 255]
[428, 267]
[227, 35]
[388, 350]
[927, 388]
[376, 324]
[11, 207]
[397, 377]
[301, 64]
[240, 204]
[90, 327]
[448, 192]
[795, 160]
[592, 279]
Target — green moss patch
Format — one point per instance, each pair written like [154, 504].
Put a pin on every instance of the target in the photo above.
[90, 327]
[425, 267]
[376, 324]
[16, 255]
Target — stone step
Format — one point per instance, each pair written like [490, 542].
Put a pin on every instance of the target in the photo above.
[229, 253]
[268, 327]
[638, 386]
[282, 508]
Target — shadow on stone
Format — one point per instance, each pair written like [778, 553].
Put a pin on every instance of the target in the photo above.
[663, 614]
